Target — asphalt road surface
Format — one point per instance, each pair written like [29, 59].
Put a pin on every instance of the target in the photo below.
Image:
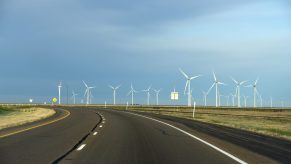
[92, 135]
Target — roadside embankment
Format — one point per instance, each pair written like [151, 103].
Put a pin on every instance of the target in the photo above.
[10, 117]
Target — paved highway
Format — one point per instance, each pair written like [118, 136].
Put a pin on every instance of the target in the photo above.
[91, 135]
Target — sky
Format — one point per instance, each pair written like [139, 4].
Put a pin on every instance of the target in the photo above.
[43, 42]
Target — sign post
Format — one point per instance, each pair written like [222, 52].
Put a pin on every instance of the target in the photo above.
[54, 100]
[194, 104]
[174, 96]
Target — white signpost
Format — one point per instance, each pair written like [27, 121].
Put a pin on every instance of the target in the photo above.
[194, 104]
[175, 96]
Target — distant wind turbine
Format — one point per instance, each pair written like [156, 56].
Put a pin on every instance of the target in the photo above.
[232, 98]
[148, 94]
[238, 84]
[131, 92]
[74, 96]
[60, 86]
[157, 95]
[205, 94]
[88, 93]
[188, 84]
[114, 92]
[254, 86]
[216, 83]
[245, 100]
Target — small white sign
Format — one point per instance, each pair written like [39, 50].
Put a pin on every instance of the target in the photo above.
[30, 100]
[174, 95]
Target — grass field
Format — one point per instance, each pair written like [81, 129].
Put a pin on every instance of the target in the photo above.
[273, 122]
[17, 115]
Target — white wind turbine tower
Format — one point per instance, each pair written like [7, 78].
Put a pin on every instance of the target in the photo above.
[232, 98]
[148, 94]
[88, 93]
[238, 84]
[188, 83]
[245, 100]
[131, 92]
[157, 95]
[205, 94]
[114, 92]
[74, 96]
[227, 100]
[60, 86]
[254, 86]
[216, 83]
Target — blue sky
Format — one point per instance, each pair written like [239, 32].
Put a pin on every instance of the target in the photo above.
[143, 42]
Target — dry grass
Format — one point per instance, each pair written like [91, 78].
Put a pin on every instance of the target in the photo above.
[265, 121]
[20, 116]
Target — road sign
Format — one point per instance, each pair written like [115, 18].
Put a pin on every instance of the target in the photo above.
[55, 100]
[30, 100]
[174, 95]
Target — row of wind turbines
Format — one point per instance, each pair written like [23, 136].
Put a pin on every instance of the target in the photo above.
[216, 83]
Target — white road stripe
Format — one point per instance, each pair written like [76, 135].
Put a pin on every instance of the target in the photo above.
[103, 122]
[101, 126]
[81, 147]
[95, 133]
[197, 138]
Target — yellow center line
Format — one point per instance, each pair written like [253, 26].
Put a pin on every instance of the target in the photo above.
[46, 123]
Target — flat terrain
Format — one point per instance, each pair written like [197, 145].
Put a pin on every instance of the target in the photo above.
[95, 135]
[273, 122]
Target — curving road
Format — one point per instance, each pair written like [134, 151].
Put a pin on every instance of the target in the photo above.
[92, 135]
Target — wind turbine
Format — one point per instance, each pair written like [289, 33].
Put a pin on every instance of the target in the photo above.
[238, 84]
[157, 95]
[271, 102]
[205, 94]
[131, 92]
[60, 86]
[74, 96]
[88, 92]
[219, 100]
[188, 83]
[216, 83]
[227, 100]
[114, 92]
[232, 98]
[245, 100]
[254, 86]
[148, 94]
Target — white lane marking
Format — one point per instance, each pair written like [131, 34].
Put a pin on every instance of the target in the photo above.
[197, 138]
[100, 126]
[95, 133]
[103, 122]
[81, 147]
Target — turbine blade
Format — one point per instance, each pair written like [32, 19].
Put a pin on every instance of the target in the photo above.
[214, 76]
[195, 77]
[184, 73]
[210, 88]
[256, 82]
[243, 82]
[234, 80]
[221, 83]
[85, 84]
[248, 86]
[187, 83]
[110, 86]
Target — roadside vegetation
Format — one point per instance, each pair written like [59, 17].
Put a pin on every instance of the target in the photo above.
[273, 122]
[18, 115]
